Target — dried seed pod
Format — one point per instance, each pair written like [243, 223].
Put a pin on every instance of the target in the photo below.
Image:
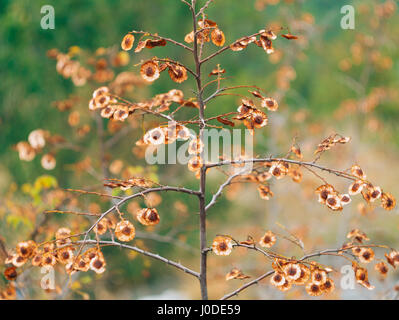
[150, 71]
[127, 42]
[125, 231]
[222, 246]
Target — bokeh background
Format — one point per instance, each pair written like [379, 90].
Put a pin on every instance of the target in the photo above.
[329, 80]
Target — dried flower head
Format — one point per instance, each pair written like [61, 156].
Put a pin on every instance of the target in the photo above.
[148, 216]
[259, 119]
[26, 249]
[330, 142]
[48, 161]
[222, 245]
[37, 139]
[82, 263]
[11, 273]
[65, 255]
[279, 170]
[361, 275]
[236, 273]
[356, 234]
[344, 199]
[366, 255]
[218, 37]
[149, 44]
[268, 239]
[242, 43]
[265, 192]
[62, 236]
[25, 151]
[18, 261]
[97, 264]
[324, 191]
[265, 42]
[278, 265]
[333, 202]
[304, 276]
[358, 172]
[270, 103]
[9, 293]
[292, 271]
[37, 260]
[381, 268]
[245, 110]
[101, 226]
[177, 73]
[277, 279]
[318, 276]
[155, 136]
[49, 260]
[393, 258]
[297, 151]
[328, 286]
[286, 286]
[127, 42]
[388, 202]
[102, 91]
[217, 71]
[375, 193]
[48, 247]
[296, 175]
[150, 70]
[289, 36]
[125, 231]
[314, 289]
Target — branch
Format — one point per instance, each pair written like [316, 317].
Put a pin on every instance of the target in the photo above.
[144, 109]
[139, 194]
[94, 193]
[146, 253]
[201, 114]
[220, 90]
[206, 5]
[166, 39]
[220, 190]
[305, 257]
[164, 239]
[176, 63]
[300, 163]
[225, 48]
[245, 286]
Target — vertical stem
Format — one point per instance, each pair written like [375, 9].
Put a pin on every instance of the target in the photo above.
[202, 211]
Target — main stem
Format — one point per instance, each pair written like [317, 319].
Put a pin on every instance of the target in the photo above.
[202, 210]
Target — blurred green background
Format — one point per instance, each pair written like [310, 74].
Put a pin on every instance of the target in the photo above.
[330, 79]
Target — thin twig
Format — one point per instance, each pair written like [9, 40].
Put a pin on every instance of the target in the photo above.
[166, 39]
[247, 285]
[225, 48]
[220, 190]
[305, 257]
[265, 160]
[206, 5]
[144, 252]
